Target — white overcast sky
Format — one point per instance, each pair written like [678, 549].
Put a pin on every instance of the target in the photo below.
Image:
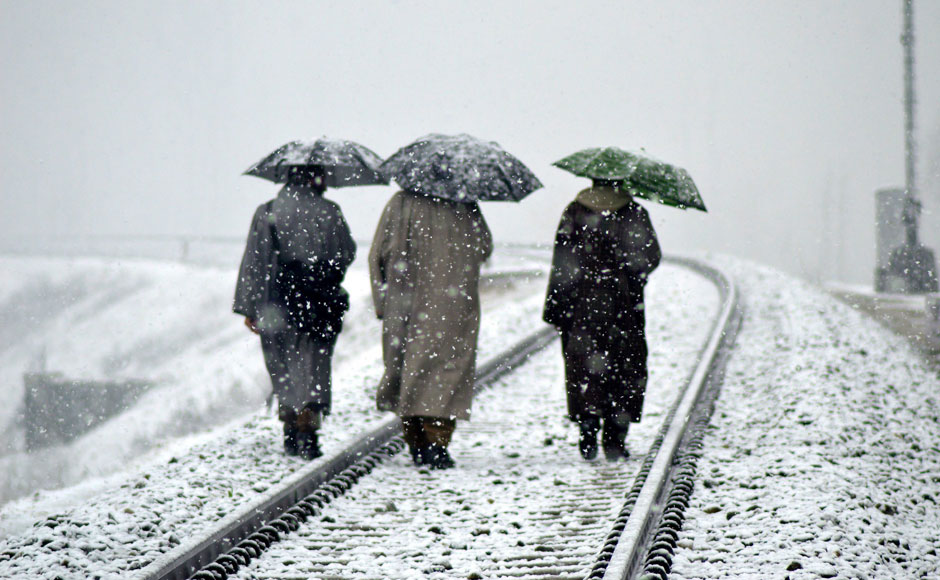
[138, 117]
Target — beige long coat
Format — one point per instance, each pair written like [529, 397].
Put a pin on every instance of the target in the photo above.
[425, 269]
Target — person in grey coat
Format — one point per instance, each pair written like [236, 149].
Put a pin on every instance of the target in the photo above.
[605, 249]
[299, 248]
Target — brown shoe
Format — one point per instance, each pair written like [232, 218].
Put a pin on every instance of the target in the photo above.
[309, 418]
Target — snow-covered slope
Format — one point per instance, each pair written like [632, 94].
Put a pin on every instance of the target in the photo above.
[823, 456]
[167, 323]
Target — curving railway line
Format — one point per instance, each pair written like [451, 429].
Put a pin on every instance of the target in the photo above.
[521, 503]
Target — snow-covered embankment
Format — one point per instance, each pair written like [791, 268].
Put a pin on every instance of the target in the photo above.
[823, 455]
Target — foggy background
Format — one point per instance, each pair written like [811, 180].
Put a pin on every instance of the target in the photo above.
[138, 117]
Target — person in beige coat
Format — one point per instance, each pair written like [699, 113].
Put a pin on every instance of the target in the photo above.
[425, 269]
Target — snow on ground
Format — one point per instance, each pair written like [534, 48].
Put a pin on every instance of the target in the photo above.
[822, 459]
[823, 456]
[357, 364]
[150, 510]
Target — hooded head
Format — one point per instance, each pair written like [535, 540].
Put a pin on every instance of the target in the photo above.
[604, 195]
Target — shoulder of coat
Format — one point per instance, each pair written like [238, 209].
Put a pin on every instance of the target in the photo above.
[394, 201]
[631, 207]
[575, 206]
[330, 203]
[264, 208]
[638, 208]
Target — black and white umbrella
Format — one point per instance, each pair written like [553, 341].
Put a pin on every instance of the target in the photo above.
[343, 163]
[460, 168]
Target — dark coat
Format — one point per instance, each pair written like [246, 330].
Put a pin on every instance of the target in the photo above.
[298, 250]
[599, 270]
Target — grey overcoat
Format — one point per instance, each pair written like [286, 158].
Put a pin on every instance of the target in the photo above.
[297, 226]
[425, 270]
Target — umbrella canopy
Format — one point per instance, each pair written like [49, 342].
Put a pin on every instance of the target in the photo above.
[460, 168]
[344, 163]
[642, 175]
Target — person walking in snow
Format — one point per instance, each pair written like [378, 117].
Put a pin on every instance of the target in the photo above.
[299, 248]
[425, 269]
[605, 249]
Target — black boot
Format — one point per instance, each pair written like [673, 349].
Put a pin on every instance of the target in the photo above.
[419, 455]
[615, 438]
[290, 439]
[413, 434]
[308, 445]
[437, 457]
[587, 442]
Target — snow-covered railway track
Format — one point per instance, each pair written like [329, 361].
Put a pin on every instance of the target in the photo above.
[644, 537]
[257, 526]
[521, 503]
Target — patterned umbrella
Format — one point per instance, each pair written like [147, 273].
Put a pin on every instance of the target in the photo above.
[641, 175]
[344, 163]
[460, 168]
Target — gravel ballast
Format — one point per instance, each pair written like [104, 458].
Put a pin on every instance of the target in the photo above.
[822, 457]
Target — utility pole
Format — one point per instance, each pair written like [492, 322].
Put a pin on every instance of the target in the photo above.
[911, 265]
[911, 203]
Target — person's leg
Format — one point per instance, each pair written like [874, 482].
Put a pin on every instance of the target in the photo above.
[305, 388]
[288, 417]
[308, 424]
[439, 431]
[589, 425]
[318, 373]
[275, 359]
[413, 433]
[574, 375]
[614, 439]
[626, 388]
[577, 348]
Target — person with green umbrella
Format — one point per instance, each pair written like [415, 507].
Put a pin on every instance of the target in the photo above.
[605, 249]
[289, 284]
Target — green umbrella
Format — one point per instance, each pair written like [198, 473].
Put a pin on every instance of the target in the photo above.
[642, 176]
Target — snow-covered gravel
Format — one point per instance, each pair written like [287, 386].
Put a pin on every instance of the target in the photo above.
[823, 456]
[152, 509]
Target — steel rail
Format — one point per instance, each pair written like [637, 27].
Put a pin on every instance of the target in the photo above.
[663, 473]
[190, 557]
